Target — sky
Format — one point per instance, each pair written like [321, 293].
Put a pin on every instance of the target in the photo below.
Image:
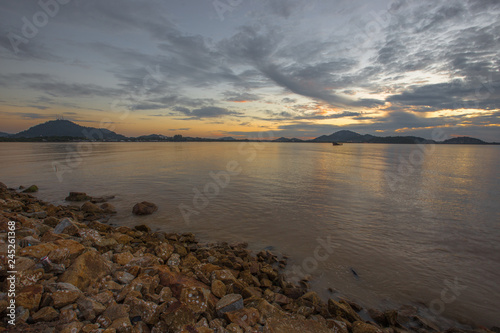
[218, 68]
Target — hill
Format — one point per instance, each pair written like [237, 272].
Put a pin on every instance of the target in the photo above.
[283, 139]
[66, 128]
[344, 136]
[399, 139]
[4, 135]
[464, 140]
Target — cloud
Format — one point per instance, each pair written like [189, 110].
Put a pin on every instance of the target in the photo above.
[206, 112]
[240, 97]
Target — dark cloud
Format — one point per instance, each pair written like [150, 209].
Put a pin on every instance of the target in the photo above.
[206, 112]
[240, 97]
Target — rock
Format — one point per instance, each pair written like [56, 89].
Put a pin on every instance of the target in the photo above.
[74, 249]
[174, 260]
[342, 311]
[37, 215]
[228, 303]
[108, 208]
[124, 277]
[99, 226]
[31, 189]
[144, 208]
[178, 315]
[287, 324]
[29, 297]
[294, 293]
[164, 251]
[281, 299]
[90, 308]
[122, 325]
[362, 327]
[143, 228]
[379, 317]
[123, 258]
[148, 311]
[37, 251]
[218, 288]
[66, 226]
[91, 208]
[101, 199]
[195, 298]
[87, 268]
[77, 196]
[116, 311]
[61, 298]
[245, 317]
[47, 313]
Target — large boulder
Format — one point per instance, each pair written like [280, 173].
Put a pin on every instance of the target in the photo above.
[86, 269]
[144, 208]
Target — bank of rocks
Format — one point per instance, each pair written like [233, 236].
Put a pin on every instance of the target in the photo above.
[76, 274]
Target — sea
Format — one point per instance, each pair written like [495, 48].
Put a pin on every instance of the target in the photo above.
[382, 225]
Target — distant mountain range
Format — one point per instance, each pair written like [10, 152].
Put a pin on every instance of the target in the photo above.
[65, 130]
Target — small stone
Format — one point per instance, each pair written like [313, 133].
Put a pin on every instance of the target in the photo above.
[144, 208]
[228, 303]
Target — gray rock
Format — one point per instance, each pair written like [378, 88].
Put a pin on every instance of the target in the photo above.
[228, 303]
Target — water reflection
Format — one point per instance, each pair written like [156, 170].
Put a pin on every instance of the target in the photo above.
[440, 222]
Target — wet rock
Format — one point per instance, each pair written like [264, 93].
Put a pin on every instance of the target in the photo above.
[195, 298]
[144, 208]
[96, 225]
[87, 268]
[78, 196]
[31, 189]
[143, 228]
[362, 327]
[342, 311]
[91, 208]
[101, 199]
[108, 208]
[287, 324]
[36, 215]
[228, 303]
[66, 226]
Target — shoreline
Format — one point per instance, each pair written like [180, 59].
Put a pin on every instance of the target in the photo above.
[101, 278]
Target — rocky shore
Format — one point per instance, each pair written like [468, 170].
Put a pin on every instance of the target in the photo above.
[76, 273]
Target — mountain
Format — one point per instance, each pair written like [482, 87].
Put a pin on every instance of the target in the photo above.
[151, 137]
[55, 128]
[227, 138]
[283, 139]
[344, 136]
[464, 140]
[399, 139]
[4, 135]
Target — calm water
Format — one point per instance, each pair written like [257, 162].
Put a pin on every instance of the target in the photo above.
[440, 219]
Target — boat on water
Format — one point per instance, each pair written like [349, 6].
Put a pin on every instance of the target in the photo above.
[336, 143]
